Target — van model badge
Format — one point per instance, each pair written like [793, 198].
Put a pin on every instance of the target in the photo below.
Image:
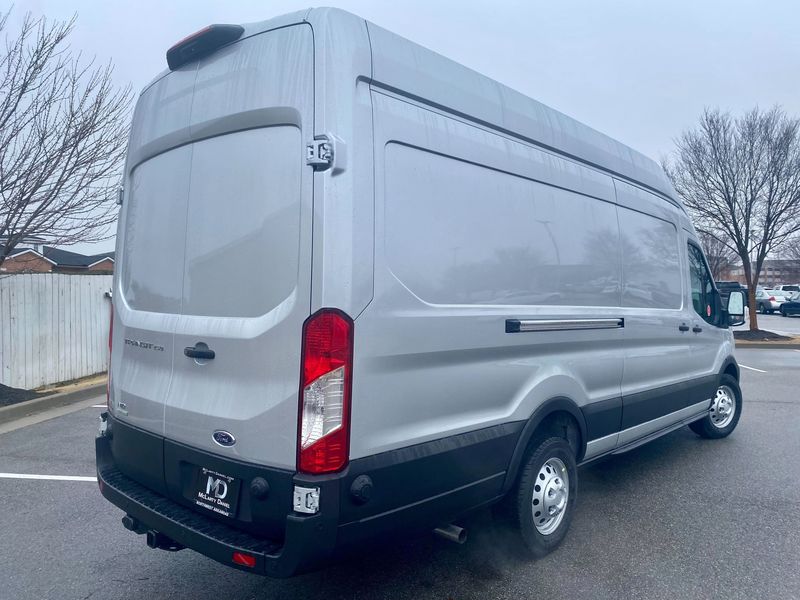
[224, 438]
[145, 345]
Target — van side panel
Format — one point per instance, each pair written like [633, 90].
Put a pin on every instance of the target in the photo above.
[420, 73]
[470, 227]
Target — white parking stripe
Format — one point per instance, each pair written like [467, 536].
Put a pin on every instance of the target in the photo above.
[751, 368]
[47, 415]
[46, 477]
[99, 405]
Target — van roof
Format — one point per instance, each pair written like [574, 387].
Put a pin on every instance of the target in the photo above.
[406, 68]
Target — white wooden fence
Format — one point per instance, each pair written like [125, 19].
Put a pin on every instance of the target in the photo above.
[53, 327]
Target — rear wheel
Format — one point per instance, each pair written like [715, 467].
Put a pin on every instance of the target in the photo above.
[770, 311]
[726, 408]
[543, 500]
[783, 313]
[762, 309]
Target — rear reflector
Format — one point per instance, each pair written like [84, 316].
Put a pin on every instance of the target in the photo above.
[246, 560]
[326, 381]
[202, 43]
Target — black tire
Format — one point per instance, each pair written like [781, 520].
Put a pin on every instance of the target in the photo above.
[783, 313]
[706, 428]
[762, 309]
[770, 311]
[521, 497]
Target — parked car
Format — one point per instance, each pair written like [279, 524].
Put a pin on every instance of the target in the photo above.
[768, 301]
[787, 288]
[792, 305]
[334, 320]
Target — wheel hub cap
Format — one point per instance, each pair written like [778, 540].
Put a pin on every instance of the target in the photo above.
[723, 407]
[550, 496]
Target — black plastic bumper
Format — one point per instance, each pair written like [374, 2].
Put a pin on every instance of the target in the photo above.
[412, 489]
[309, 540]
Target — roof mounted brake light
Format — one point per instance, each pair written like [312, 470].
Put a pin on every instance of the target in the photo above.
[202, 43]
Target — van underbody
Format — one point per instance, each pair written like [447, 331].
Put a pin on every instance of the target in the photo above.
[359, 288]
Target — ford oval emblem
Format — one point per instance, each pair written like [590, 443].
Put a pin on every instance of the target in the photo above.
[224, 438]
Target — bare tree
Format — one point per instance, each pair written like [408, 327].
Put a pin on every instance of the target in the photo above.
[63, 128]
[792, 250]
[720, 256]
[740, 179]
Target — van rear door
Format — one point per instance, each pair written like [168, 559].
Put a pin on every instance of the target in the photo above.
[233, 207]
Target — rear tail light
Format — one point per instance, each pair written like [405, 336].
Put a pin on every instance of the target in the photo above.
[772, 298]
[326, 382]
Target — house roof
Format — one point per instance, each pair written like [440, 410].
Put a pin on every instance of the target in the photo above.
[20, 251]
[65, 258]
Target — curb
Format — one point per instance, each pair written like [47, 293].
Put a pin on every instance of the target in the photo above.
[37, 405]
[769, 345]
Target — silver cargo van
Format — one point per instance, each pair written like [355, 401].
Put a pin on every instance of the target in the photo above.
[362, 290]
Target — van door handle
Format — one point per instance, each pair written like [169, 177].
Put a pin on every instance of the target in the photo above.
[697, 329]
[200, 351]
[683, 327]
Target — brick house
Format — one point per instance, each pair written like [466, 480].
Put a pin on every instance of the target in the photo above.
[46, 259]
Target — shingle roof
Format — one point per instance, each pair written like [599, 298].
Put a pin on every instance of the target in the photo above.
[65, 258]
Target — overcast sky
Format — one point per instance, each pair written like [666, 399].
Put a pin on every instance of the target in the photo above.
[640, 71]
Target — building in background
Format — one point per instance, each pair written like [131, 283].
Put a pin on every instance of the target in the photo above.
[38, 258]
[773, 272]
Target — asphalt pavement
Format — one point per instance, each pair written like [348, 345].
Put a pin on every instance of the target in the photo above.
[680, 517]
[776, 323]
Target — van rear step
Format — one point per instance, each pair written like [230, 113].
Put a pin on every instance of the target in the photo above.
[170, 526]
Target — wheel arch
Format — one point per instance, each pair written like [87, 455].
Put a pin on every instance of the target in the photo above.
[552, 411]
[730, 367]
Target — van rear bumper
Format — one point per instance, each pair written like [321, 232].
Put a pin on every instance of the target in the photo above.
[309, 540]
[414, 489]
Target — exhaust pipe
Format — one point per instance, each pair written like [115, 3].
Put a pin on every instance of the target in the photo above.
[453, 533]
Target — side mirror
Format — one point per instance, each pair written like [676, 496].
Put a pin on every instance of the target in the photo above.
[735, 308]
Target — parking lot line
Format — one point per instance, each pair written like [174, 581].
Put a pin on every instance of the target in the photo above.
[751, 368]
[99, 405]
[46, 477]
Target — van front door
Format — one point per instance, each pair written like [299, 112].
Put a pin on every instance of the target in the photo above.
[707, 337]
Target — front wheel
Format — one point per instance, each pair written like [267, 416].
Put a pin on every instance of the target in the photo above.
[761, 309]
[783, 313]
[726, 408]
[543, 499]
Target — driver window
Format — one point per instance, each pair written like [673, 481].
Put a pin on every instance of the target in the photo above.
[701, 285]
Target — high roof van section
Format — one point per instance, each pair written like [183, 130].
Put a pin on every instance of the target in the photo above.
[364, 290]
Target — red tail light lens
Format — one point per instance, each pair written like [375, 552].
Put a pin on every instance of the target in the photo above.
[772, 298]
[326, 381]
